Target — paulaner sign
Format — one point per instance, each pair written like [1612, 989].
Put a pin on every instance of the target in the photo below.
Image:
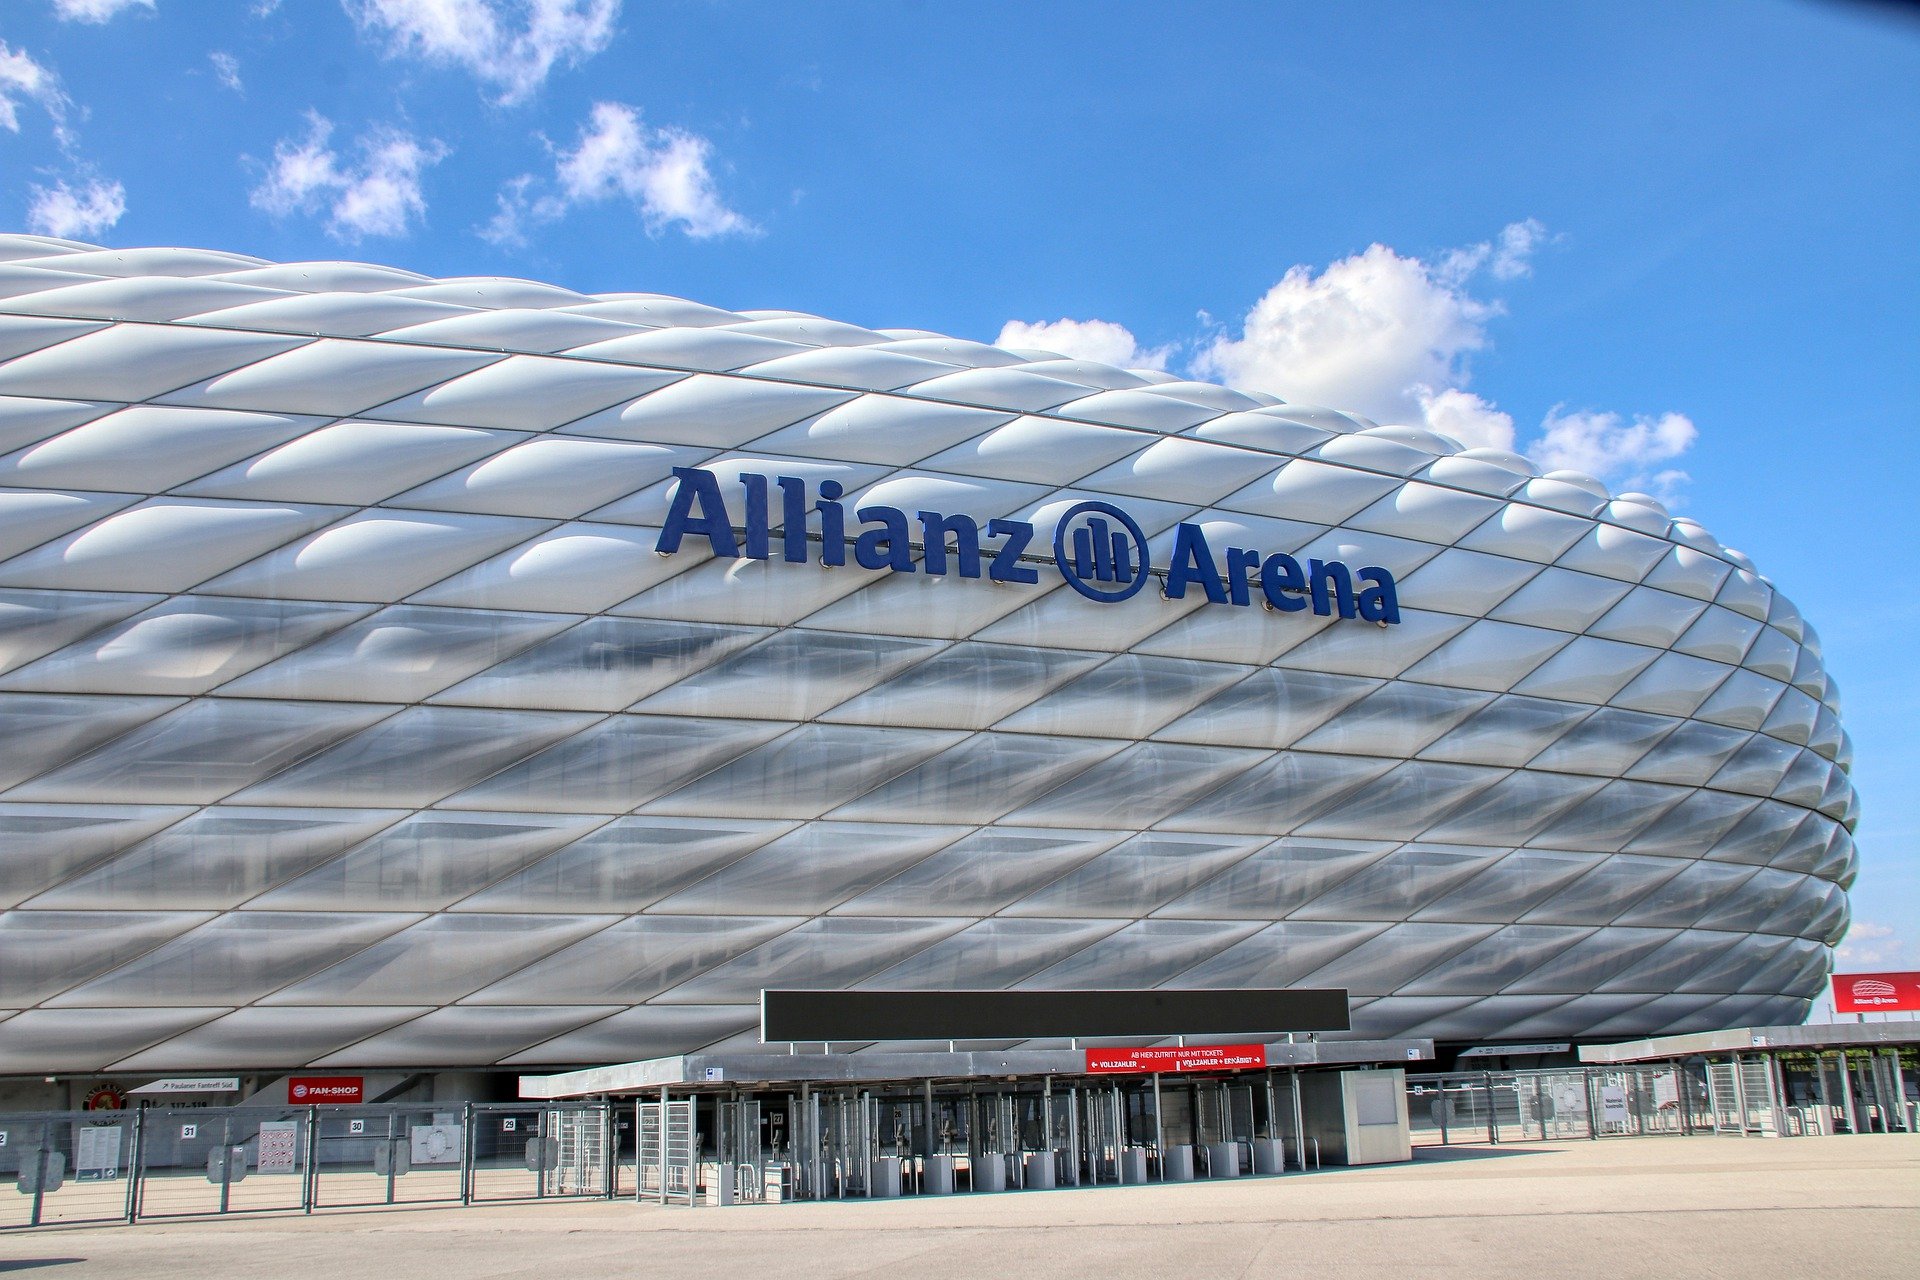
[1098, 549]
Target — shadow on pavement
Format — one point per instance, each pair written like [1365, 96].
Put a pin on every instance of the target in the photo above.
[1448, 1155]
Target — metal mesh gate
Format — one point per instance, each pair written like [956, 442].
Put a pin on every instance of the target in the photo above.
[667, 1152]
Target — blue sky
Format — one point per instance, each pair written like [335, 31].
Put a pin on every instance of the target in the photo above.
[1676, 246]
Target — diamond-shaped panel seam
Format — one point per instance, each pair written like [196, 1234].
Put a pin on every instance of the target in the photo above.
[337, 658]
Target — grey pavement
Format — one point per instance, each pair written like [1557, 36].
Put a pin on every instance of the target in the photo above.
[1655, 1207]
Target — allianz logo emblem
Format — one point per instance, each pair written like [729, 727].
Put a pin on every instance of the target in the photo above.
[1098, 549]
[1107, 560]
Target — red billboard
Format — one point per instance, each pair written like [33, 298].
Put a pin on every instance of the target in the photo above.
[316, 1090]
[1200, 1057]
[1876, 992]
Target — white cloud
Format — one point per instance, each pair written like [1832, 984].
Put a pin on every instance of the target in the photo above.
[1610, 447]
[227, 68]
[1466, 417]
[512, 45]
[24, 80]
[1390, 336]
[96, 11]
[377, 195]
[666, 173]
[1101, 340]
[70, 214]
[1377, 333]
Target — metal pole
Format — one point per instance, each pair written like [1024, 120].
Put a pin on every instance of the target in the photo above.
[1825, 1095]
[926, 1138]
[1073, 1132]
[1740, 1093]
[666, 1148]
[1776, 1115]
[1593, 1119]
[1899, 1091]
[468, 1141]
[1046, 1122]
[1159, 1129]
[1299, 1121]
[40, 1176]
[866, 1143]
[609, 1143]
[226, 1164]
[310, 1188]
[1493, 1123]
[391, 1118]
[133, 1160]
[1846, 1090]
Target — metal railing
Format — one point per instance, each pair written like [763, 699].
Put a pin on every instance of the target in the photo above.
[70, 1167]
[1479, 1107]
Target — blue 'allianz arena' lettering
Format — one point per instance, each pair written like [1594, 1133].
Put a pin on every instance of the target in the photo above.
[1099, 550]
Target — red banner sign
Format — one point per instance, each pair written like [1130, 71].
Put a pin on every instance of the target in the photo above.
[1876, 992]
[1199, 1057]
[315, 1090]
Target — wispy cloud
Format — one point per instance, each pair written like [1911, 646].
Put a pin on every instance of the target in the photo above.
[74, 213]
[666, 173]
[1870, 946]
[97, 11]
[1612, 447]
[510, 45]
[227, 68]
[375, 194]
[24, 80]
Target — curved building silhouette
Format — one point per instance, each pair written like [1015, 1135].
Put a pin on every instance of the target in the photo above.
[361, 713]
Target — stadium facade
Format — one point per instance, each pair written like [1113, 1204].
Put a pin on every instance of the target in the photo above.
[439, 674]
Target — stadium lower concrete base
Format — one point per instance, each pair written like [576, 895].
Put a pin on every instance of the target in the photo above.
[1720, 1207]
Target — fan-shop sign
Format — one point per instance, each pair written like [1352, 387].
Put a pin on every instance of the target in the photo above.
[1181, 1061]
[1098, 549]
[316, 1090]
[1876, 992]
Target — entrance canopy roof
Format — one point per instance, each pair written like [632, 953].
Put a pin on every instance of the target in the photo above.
[725, 1069]
[1836, 1035]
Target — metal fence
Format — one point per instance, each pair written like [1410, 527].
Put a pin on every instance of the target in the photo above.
[1548, 1105]
[69, 1167]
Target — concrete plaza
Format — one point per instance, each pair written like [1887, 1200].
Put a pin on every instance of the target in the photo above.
[1626, 1208]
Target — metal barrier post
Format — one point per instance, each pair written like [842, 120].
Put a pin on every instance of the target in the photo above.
[469, 1139]
[1683, 1081]
[41, 1162]
[665, 1149]
[1443, 1112]
[1593, 1118]
[610, 1142]
[1899, 1091]
[1493, 1120]
[1159, 1130]
[391, 1147]
[226, 1161]
[1299, 1122]
[134, 1156]
[310, 1182]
